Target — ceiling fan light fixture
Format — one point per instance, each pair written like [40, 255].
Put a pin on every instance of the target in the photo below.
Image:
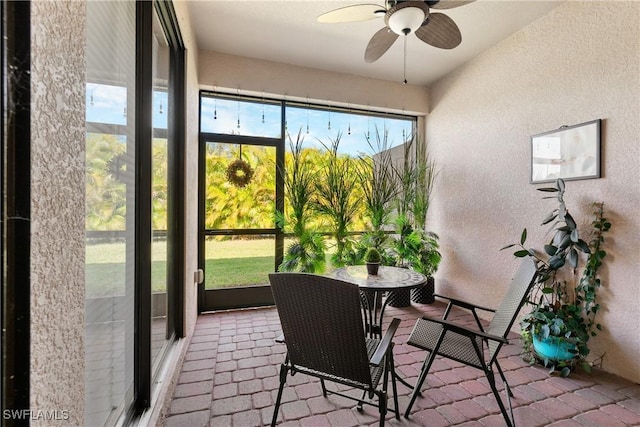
[406, 20]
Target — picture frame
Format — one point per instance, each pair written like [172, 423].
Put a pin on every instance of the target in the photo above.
[570, 153]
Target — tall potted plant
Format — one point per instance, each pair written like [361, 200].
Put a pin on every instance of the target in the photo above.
[334, 198]
[415, 247]
[377, 179]
[428, 258]
[557, 330]
[307, 252]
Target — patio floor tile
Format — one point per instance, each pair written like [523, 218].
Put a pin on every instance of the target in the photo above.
[230, 379]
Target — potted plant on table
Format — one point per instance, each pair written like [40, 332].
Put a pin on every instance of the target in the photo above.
[558, 328]
[372, 259]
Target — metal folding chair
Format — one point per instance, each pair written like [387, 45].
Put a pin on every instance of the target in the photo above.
[476, 348]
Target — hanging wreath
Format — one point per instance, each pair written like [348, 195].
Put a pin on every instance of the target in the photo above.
[239, 173]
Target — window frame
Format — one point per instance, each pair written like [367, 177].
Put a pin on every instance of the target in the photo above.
[16, 207]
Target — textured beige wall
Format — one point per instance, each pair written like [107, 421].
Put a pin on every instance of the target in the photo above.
[579, 63]
[191, 179]
[234, 72]
[57, 185]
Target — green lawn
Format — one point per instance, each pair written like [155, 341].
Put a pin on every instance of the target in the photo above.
[105, 268]
[231, 263]
[228, 263]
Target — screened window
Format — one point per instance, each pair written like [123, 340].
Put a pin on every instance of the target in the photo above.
[238, 117]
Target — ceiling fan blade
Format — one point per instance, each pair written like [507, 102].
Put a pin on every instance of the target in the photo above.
[355, 13]
[379, 44]
[440, 31]
[449, 4]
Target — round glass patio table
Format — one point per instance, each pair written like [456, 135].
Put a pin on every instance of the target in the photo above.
[372, 287]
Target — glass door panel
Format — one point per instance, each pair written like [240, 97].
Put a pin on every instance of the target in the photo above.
[243, 260]
[239, 218]
[159, 193]
[240, 186]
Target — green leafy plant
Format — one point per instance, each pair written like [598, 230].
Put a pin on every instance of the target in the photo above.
[428, 257]
[376, 176]
[563, 309]
[426, 173]
[307, 252]
[416, 249]
[406, 176]
[333, 197]
[372, 255]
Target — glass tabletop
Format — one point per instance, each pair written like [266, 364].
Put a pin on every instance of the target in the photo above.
[387, 279]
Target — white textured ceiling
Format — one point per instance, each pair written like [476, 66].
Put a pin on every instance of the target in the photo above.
[287, 32]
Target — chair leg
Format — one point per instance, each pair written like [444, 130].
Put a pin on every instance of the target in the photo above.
[492, 382]
[423, 375]
[504, 380]
[324, 388]
[284, 370]
[394, 385]
[382, 406]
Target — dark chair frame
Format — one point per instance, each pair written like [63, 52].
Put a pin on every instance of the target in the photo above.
[325, 338]
[475, 348]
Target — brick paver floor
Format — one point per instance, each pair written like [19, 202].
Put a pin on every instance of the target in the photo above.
[230, 378]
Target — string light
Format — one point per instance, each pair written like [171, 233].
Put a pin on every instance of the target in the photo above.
[368, 123]
[238, 108]
[308, 115]
[329, 125]
[215, 105]
[91, 99]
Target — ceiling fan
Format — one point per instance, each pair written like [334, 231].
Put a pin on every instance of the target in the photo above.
[403, 18]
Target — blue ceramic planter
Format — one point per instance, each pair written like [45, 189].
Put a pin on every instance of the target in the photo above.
[554, 348]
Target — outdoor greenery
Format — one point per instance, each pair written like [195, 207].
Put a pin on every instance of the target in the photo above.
[337, 196]
[230, 207]
[109, 169]
[564, 299]
[330, 197]
[307, 252]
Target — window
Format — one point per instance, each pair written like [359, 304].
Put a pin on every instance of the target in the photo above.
[110, 207]
[240, 242]
[134, 255]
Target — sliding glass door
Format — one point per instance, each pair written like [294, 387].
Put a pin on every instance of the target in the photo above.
[134, 203]
[239, 222]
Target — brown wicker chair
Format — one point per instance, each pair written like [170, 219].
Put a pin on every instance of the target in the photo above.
[465, 345]
[324, 334]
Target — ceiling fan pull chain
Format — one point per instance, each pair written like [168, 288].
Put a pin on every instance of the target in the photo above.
[405, 61]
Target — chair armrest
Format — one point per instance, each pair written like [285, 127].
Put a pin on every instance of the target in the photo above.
[462, 330]
[464, 304]
[384, 344]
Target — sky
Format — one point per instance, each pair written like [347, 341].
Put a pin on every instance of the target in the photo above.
[317, 126]
[107, 104]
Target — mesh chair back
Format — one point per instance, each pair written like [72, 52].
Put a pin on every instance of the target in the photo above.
[322, 325]
[515, 297]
